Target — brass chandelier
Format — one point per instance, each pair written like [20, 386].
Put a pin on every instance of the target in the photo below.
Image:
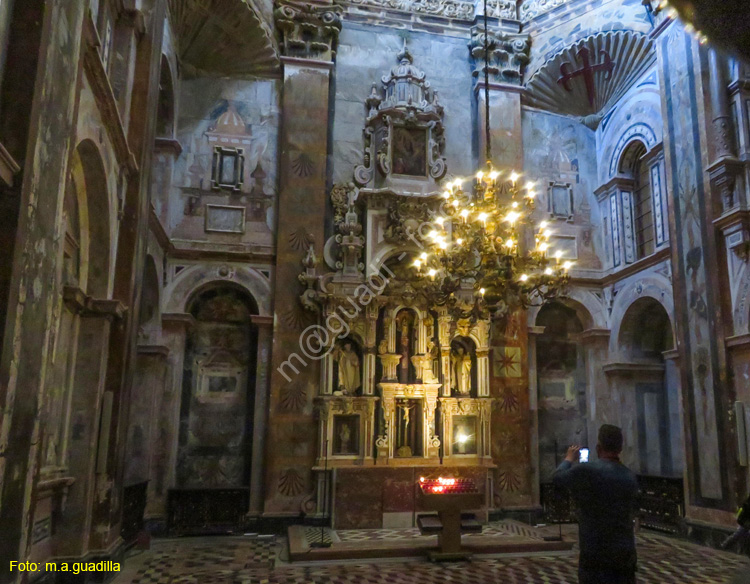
[480, 259]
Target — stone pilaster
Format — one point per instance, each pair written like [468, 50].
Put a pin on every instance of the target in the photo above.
[508, 54]
[27, 316]
[309, 32]
[684, 70]
[260, 415]
[175, 328]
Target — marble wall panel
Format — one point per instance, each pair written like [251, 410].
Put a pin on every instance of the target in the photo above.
[234, 114]
[366, 54]
[562, 151]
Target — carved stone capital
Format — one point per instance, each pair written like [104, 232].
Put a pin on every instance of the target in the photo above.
[308, 30]
[507, 55]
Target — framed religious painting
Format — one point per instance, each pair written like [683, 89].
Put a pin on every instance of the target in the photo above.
[409, 151]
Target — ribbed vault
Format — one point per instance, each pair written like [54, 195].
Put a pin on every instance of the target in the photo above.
[224, 37]
[630, 54]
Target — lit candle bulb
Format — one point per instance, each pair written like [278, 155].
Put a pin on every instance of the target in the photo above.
[547, 233]
[510, 243]
[440, 221]
[446, 195]
[543, 247]
[558, 254]
[493, 175]
[567, 265]
[482, 217]
[530, 186]
[480, 175]
[531, 194]
[523, 277]
[459, 241]
[542, 225]
[432, 272]
[465, 213]
[548, 271]
[432, 234]
[512, 217]
[455, 203]
[514, 176]
[482, 291]
[423, 257]
[514, 204]
[417, 264]
[443, 244]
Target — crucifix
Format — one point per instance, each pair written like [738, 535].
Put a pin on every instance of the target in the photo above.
[587, 71]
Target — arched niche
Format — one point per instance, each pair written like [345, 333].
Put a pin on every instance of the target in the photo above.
[92, 195]
[463, 366]
[347, 366]
[191, 280]
[218, 389]
[165, 111]
[646, 331]
[149, 314]
[646, 379]
[561, 383]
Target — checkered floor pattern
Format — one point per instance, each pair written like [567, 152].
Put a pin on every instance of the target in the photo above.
[232, 560]
[495, 529]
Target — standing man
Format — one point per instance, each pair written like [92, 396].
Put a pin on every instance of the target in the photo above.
[606, 493]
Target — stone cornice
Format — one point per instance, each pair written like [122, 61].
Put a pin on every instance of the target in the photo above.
[632, 368]
[738, 341]
[180, 319]
[616, 181]
[166, 144]
[105, 97]
[158, 350]
[79, 302]
[593, 335]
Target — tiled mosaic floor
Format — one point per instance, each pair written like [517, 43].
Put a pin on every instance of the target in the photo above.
[233, 560]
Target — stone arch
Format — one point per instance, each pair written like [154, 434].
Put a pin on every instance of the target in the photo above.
[588, 307]
[176, 296]
[90, 180]
[638, 132]
[653, 286]
[643, 318]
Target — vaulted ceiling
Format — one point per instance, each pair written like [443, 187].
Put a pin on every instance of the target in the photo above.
[225, 37]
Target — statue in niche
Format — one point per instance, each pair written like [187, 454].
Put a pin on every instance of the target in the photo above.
[345, 435]
[404, 327]
[348, 368]
[461, 371]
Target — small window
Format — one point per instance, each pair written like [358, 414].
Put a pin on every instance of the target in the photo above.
[228, 168]
[634, 168]
[643, 214]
